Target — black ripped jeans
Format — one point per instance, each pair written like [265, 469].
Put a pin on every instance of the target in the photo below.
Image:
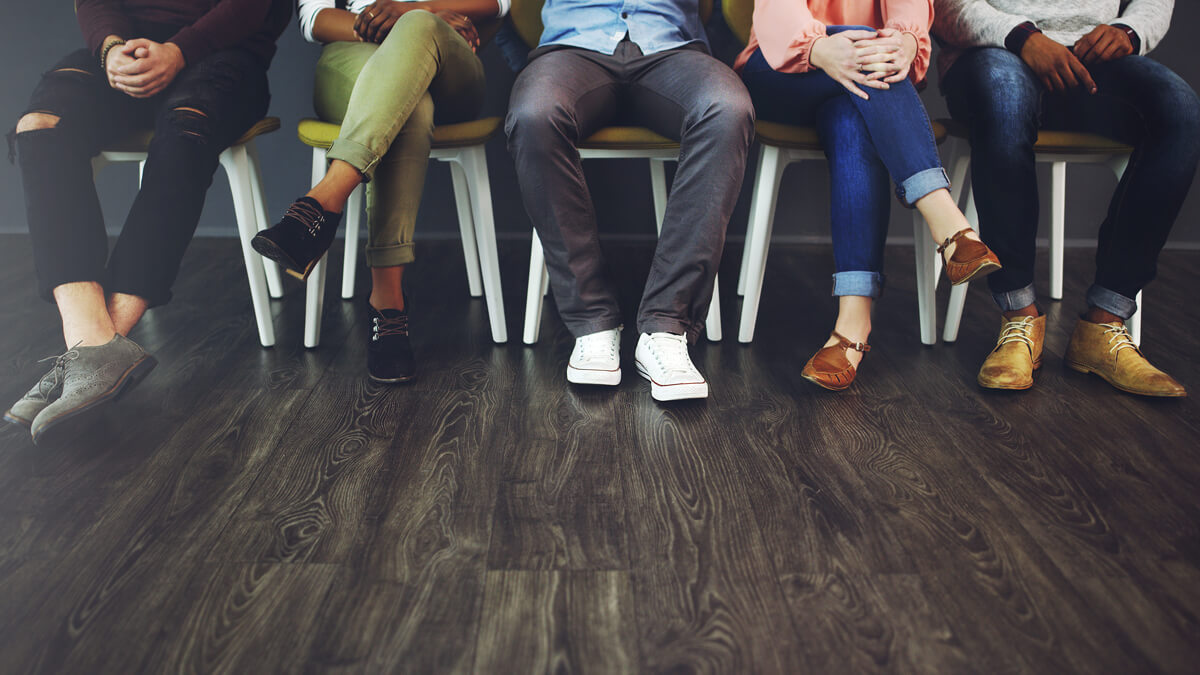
[208, 106]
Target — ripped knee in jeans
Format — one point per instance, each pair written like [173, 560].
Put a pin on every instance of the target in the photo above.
[190, 121]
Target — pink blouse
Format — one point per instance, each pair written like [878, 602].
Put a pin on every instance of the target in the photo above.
[786, 29]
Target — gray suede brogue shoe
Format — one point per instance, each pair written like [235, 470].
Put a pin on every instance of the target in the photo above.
[45, 392]
[91, 377]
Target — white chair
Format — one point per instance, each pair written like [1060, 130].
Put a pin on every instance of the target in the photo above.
[460, 145]
[616, 143]
[245, 183]
[783, 144]
[1057, 148]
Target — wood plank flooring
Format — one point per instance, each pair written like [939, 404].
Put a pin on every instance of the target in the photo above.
[271, 511]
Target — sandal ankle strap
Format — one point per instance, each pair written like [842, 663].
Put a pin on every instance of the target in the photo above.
[845, 343]
[950, 240]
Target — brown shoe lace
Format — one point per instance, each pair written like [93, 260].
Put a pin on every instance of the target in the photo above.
[384, 326]
[310, 216]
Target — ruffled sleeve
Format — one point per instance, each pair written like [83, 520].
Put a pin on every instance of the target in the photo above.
[786, 31]
[913, 17]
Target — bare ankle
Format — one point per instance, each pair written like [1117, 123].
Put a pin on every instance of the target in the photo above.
[1097, 315]
[1030, 311]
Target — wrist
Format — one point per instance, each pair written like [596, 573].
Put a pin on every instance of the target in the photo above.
[1135, 40]
[1019, 35]
[110, 43]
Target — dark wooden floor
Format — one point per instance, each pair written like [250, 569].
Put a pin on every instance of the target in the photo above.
[257, 511]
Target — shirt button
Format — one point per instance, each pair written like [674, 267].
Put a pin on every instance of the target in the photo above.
[624, 15]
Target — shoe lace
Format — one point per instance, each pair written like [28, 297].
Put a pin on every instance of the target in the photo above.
[382, 326]
[58, 370]
[308, 215]
[597, 345]
[1017, 331]
[671, 353]
[1118, 338]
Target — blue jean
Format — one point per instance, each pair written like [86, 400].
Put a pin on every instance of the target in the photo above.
[1139, 102]
[864, 141]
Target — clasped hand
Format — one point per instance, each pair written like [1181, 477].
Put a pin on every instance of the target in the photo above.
[143, 68]
[375, 22]
[871, 59]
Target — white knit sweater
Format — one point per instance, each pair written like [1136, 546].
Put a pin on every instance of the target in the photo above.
[962, 24]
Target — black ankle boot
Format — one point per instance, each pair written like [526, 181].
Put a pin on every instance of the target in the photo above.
[389, 352]
[299, 240]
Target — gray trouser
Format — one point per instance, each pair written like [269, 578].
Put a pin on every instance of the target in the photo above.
[566, 94]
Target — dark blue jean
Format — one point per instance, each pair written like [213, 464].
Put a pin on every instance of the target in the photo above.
[865, 141]
[1139, 102]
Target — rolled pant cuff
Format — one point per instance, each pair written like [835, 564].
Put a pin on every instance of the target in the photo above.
[858, 282]
[1010, 301]
[675, 326]
[1111, 301]
[920, 184]
[390, 256]
[356, 155]
[581, 328]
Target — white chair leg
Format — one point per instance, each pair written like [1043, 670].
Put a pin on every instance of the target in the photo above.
[1135, 322]
[745, 266]
[466, 225]
[658, 186]
[314, 290]
[314, 303]
[958, 294]
[927, 272]
[766, 188]
[354, 214]
[712, 323]
[475, 167]
[274, 280]
[1058, 217]
[536, 291]
[237, 169]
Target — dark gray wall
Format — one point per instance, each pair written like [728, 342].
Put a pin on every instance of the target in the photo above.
[38, 33]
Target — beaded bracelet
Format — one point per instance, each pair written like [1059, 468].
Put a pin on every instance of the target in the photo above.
[104, 52]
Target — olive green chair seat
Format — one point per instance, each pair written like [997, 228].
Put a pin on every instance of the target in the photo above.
[460, 145]
[1058, 149]
[242, 167]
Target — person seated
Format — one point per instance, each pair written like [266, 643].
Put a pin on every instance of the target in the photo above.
[849, 69]
[1011, 68]
[604, 63]
[388, 72]
[195, 73]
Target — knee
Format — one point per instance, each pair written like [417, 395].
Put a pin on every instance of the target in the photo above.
[37, 120]
[184, 121]
[730, 113]
[415, 25]
[535, 120]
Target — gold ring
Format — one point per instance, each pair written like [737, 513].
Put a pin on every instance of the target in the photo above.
[370, 15]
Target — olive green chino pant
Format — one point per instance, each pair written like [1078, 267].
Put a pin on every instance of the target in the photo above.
[387, 97]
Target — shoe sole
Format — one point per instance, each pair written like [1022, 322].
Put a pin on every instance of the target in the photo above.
[1080, 368]
[135, 374]
[269, 249]
[1006, 387]
[980, 272]
[607, 378]
[673, 392]
[13, 419]
[824, 385]
[394, 380]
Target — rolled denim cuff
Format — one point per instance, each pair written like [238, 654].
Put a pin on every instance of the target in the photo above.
[1010, 301]
[866, 284]
[920, 184]
[358, 156]
[1111, 301]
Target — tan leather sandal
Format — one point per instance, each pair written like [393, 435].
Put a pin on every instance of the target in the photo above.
[830, 368]
[971, 258]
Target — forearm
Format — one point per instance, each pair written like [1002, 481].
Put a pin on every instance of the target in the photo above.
[1150, 19]
[476, 10]
[334, 25]
[101, 19]
[227, 24]
[786, 32]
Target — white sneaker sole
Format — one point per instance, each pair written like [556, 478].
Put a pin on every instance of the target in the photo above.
[673, 392]
[608, 378]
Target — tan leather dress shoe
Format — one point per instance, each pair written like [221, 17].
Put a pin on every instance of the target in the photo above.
[971, 258]
[1017, 354]
[1107, 350]
[830, 368]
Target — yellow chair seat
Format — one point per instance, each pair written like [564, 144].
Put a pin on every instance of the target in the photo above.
[1060, 142]
[805, 138]
[318, 134]
[139, 141]
[627, 138]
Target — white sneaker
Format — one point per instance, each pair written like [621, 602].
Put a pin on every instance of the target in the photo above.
[663, 359]
[596, 359]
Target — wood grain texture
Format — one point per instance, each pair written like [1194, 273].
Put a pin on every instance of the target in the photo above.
[250, 510]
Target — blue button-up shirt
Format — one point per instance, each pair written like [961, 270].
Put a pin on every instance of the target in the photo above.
[598, 25]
